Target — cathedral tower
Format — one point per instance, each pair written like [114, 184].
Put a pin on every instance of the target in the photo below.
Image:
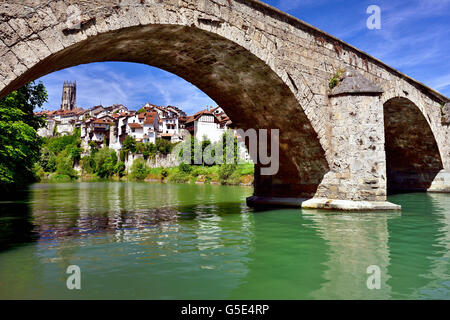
[69, 96]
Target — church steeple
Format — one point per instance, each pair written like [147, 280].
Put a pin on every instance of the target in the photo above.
[69, 96]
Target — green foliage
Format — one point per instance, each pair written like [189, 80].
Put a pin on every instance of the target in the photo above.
[123, 155]
[139, 170]
[93, 146]
[87, 164]
[119, 168]
[193, 145]
[179, 177]
[39, 172]
[141, 110]
[336, 78]
[64, 165]
[184, 167]
[59, 154]
[205, 142]
[129, 144]
[246, 169]
[105, 161]
[58, 144]
[163, 146]
[19, 142]
[47, 160]
[229, 135]
[146, 149]
[75, 153]
[164, 173]
[60, 178]
[230, 174]
[226, 171]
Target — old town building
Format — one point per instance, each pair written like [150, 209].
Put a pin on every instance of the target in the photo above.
[109, 126]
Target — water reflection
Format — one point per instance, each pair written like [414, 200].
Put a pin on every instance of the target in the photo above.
[286, 260]
[138, 240]
[354, 241]
[15, 222]
[420, 266]
[166, 241]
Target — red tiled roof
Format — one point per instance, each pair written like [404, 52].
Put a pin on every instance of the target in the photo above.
[198, 115]
[135, 125]
[101, 121]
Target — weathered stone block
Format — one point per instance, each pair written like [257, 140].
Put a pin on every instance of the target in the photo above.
[446, 114]
[25, 54]
[39, 47]
[21, 27]
[8, 35]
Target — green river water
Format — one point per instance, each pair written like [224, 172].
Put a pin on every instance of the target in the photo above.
[161, 241]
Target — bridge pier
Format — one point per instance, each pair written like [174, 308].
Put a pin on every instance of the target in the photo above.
[357, 159]
[356, 155]
[441, 183]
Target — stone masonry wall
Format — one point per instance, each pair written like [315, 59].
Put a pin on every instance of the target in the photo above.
[358, 169]
[274, 56]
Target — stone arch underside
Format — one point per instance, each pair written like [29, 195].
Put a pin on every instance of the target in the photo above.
[412, 155]
[252, 94]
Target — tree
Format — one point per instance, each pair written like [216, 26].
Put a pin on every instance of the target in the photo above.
[119, 168]
[93, 146]
[129, 144]
[19, 142]
[139, 170]
[164, 146]
[64, 164]
[75, 153]
[47, 160]
[105, 162]
[149, 150]
[227, 137]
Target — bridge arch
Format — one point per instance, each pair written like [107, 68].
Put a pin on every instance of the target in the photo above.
[221, 61]
[413, 158]
[265, 68]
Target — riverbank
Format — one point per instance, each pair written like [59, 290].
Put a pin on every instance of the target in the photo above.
[225, 174]
[62, 159]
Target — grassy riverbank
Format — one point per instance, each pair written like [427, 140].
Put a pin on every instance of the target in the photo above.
[61, 160]
[239, 174]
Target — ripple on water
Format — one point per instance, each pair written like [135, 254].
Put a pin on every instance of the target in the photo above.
[202, 242]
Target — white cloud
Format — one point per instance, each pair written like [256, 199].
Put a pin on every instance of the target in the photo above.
[441, 83]
[110, 83]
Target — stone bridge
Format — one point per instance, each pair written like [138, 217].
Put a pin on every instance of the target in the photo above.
[377, 131]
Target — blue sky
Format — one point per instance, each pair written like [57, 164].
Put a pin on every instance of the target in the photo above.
[414, 38]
